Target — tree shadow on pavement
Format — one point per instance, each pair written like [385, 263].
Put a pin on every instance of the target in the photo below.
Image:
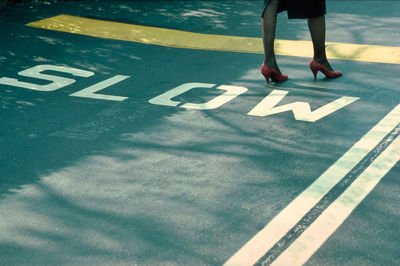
[88, 181]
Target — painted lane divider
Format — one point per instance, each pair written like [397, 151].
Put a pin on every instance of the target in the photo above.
[327, 200]
[279, 226]
[191, 40]
[326, 224]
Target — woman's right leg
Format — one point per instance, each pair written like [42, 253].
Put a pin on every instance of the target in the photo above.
[268, 22]
[317, 30]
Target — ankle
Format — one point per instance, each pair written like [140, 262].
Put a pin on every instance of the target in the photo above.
[321, 60]
[271, 63]
[324, 62]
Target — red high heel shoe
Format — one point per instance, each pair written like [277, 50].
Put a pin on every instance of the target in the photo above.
[315, 67]
[269, 72]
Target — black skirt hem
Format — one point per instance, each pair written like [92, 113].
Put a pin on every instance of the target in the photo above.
[300, 13]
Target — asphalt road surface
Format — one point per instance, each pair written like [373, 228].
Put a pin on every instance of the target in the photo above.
[142, 132]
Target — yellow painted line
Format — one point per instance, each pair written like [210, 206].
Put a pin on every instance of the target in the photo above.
[191, 40]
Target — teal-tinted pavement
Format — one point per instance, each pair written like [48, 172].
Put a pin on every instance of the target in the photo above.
[122, 181]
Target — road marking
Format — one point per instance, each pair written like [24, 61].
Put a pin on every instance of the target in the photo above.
[191, 40]
[326, 224]
[301, 110]
[90, 92]
[56, 81]
[166, 98]
[279, 226]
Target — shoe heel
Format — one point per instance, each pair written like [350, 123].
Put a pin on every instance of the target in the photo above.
[269, 72]
[315, 67]
[267, 76]
[265, 73]
[315, 72]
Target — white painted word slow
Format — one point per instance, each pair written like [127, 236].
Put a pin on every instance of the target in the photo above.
[268, 106]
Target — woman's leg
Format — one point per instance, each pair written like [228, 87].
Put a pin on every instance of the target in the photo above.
[317, 30]
[268, 23]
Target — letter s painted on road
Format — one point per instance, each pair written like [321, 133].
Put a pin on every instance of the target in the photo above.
[56, 81]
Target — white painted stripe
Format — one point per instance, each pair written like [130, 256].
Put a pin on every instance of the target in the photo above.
[326, 224]
[264, 240]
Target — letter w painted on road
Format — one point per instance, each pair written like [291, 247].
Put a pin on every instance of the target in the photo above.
[301, 110]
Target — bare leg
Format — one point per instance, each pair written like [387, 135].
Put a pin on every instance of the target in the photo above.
[268, 23]
[317, 30]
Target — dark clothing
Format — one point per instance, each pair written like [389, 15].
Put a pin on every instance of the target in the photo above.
[301, 8]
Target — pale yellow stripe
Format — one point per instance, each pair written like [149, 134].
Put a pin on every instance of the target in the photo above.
[190, 40]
